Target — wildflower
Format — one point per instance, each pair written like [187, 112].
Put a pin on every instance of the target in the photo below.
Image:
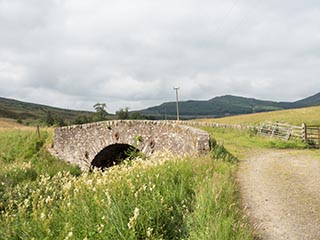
[69, 235]
[133, 220]
[100, 228]
[144, 187]
[48, 199]
[42, 216]
[108, 197]
[89, 182]
[152, 187]
[66, 186]
[149, 231]
[26, 202]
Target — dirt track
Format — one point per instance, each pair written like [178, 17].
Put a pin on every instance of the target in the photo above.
[281, 191]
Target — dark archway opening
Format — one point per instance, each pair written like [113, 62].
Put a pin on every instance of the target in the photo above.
[113, 155]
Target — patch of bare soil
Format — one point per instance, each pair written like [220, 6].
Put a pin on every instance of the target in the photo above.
[281, 192]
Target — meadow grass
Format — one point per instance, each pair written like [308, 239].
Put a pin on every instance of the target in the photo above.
[238, 142]
[9, 124]
[310, 116]
[163, 197]
[24, 159]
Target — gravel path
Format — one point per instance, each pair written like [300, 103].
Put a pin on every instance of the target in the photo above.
[281, 192]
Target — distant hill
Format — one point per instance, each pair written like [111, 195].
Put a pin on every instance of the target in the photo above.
[223, 106]
[214, 108]
[30, 112]
[308, 102]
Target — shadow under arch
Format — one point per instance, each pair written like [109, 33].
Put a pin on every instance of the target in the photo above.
[112, 155]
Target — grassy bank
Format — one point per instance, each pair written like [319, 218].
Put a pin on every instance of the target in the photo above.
[164, 197]
[23, 159]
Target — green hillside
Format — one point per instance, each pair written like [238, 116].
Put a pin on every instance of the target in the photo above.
[224, 106]
[30, 112]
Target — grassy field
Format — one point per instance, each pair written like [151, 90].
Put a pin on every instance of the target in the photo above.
[239, 142]
[163, 197]
[6, 123]
[310, 116]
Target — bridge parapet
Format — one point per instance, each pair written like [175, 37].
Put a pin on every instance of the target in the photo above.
[80, 144]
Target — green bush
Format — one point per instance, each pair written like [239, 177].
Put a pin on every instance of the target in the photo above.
[219, 152]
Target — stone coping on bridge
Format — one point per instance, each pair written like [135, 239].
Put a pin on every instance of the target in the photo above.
[211, 124]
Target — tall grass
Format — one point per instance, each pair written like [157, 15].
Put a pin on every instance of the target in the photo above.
[164, 197]
[24, 159]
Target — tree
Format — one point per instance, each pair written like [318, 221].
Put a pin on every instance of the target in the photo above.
[49, 120]
[101, 112]
[136, 115]
[123, 113]
[81, 119]
[58, 121]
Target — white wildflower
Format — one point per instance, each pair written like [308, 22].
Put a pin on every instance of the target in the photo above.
[42, 216]
[66, 186]
[133, 220]
[69, 235]
[26, 202]
[149, 232]
[108, 197]
[100, 228]
[48, 199]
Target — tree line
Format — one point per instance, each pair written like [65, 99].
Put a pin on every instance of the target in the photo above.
[100, 114]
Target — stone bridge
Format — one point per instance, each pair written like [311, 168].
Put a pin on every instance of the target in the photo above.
[104, 144]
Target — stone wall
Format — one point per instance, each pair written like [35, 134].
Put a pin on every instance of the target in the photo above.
[211, 124]
[79, 144]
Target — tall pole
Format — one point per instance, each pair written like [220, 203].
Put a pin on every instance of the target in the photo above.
[177, 101]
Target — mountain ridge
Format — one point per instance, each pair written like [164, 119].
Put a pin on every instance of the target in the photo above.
[221, 106]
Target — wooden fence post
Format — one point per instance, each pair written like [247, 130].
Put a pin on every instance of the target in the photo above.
[304, 133]
[319, 137]
[38, 131]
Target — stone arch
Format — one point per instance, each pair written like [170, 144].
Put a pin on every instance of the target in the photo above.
[112, 155]
[80, 144]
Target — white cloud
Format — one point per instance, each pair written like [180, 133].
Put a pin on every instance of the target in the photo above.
[75, 53]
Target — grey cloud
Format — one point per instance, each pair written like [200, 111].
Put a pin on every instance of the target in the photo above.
[75, 53]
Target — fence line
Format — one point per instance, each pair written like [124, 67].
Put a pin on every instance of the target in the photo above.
[283, 131]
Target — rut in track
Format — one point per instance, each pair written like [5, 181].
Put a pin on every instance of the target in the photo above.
[281, 192]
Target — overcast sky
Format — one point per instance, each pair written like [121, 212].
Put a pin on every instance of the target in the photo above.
[75, 53]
